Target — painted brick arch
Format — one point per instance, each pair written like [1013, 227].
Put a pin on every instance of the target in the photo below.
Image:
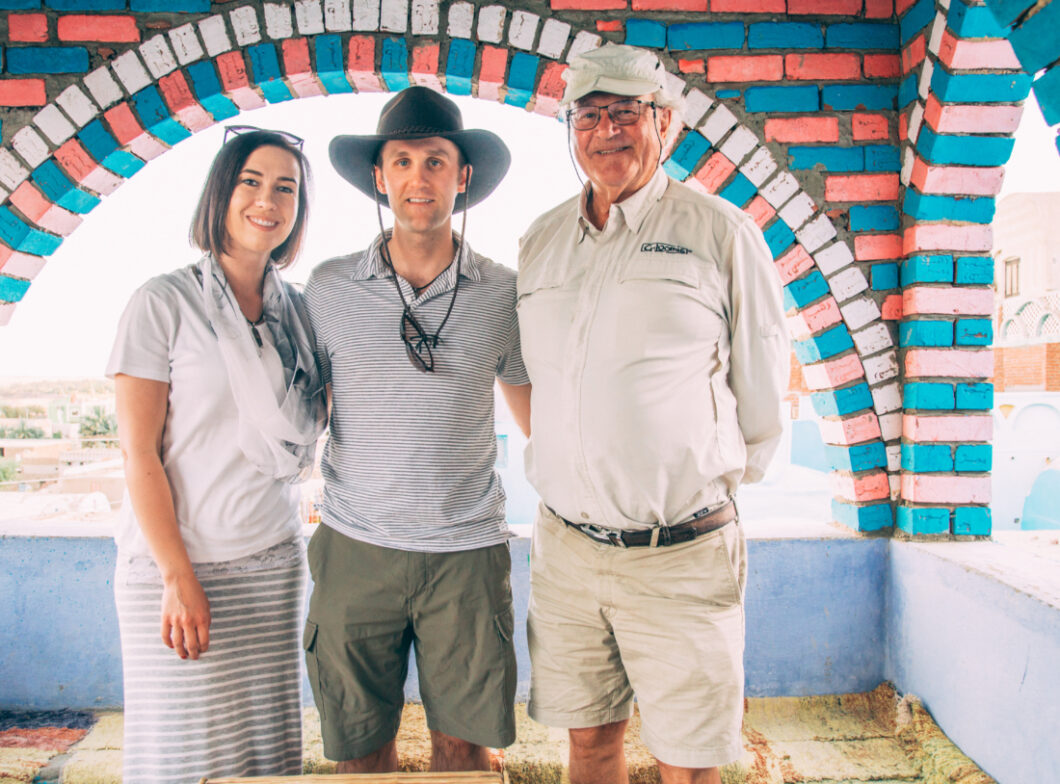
[866, 140]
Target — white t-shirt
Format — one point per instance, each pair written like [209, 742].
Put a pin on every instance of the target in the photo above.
[225, 507]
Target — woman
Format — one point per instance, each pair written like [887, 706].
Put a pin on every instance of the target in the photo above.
[219, 406]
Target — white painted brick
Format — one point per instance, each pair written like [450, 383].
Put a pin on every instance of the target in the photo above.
[425, 17]
[674, 85]
[77, 105]
[394, 16]
[309, 17]
[797, 211]
[185, 44]
[760, 167]
[780, 189]
[33, 149]
[491, 23]
[103, 87]
[214, 35]
[881, 367]
[278, 22]
[797, 328]
[895, 483]
[816, 233]
[11, 171]
[937, 31]
[834, 258]
[908, 159]
[54, 124]
[875, 337]
[7, 310]
[364, 15]
[696, 104]
[523, 30]
[925, 78]
[718, 124]
[554, 37]
[461, 20]
[887, 399]
[147, 147]
[23, 265]
[944, 4]
[894, 457]
[816, 377]
[102, 181]
[916, 118]
[59, 221]
[130, 71]
[847, 283]
[739, 144]
[584, 41]
[891, 426]
[245, 25]
[859, 312]
[158, 56]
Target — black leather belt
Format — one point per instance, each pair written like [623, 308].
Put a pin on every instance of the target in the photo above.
[703, 522]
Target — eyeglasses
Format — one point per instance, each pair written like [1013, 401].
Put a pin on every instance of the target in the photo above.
[418, 343]
[237, 130]
[624, 112]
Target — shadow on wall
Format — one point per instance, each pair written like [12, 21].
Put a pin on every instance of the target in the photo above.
[1041, 510]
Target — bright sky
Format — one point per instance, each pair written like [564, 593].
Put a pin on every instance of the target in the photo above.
[65, 324]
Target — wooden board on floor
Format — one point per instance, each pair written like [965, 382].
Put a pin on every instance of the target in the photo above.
[471, 777]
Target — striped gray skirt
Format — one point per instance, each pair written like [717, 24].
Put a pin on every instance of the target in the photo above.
[236, 710]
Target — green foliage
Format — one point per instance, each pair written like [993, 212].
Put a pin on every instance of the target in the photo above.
[23, 412]
[97, 424]
[8, 470]
[22, 430]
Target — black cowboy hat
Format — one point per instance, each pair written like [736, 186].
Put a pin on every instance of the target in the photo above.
[418, 113]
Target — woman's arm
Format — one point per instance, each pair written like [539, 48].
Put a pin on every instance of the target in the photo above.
[141, 407]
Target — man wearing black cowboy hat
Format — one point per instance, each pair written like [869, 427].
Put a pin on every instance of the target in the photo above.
[411, 335]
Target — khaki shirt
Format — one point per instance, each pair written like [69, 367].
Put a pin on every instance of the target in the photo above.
[657, 352]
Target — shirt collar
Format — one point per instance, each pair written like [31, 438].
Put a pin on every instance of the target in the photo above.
[633, 209]
[372, 265]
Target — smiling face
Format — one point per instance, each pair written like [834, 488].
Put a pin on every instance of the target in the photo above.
[264, 203]
[421, 178]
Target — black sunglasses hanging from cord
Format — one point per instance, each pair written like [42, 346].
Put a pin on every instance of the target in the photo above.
[419, 346]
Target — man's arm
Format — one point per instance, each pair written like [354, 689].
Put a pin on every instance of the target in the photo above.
[517, 396]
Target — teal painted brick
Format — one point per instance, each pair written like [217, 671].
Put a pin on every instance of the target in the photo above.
[927, 269]
[687, 155]
[842, 97]
[873, 218]
[86, 5]
[705, 35]
[861, 457]
[839, 402]
[921, 332]
[394, 64]
[925, 458]
[873, 517]
[1047, 91]
[862, 35]
[330, 69]
[974, 332]
[972, 457]
[726, 94]
[18, 5]
[21, 237]
[265, 68]
[979, 88]
[54, 184]
[975, 270]
[844, 159]
[105, 149]
[784, 35]
[932, 207]
[208, 91]
[828, 344]
[805, 290]
[739, 191]
[907, 90]
[778, 237]
[645, 32]
[974, 21]
[46, 59]
[881, 157]
[12, 289]
[521, 78]
[460, 66]
[963, 150]
[154, 116]
[928, 396]
[972, 520]
[800, 98]
[1037, 40]
[171, 6]
[884, 276]
[923, 520]
[916, 19]
[1007, 11]
[975, 397]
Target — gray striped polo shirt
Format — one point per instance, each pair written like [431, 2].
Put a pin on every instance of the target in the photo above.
[409, 460]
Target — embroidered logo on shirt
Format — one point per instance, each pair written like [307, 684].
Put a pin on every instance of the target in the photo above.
[662, 247]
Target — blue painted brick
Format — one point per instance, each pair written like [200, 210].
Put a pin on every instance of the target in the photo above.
[974, 21]
[873, 517]
[265, 67]
[975, 270]
[86, 5]
[802, 98]
[916, 19]
[844, 159]
[907, 89]
[842, 97]
[105, 149]
[59, 189]
[739, 191]
[778, 237]
[975, 397]
[208, 91]
[784, 35]
[873, 218]
[683, 160]
[1047, 91]
[705, 35]
[881, 157]
[932, 207]
[972, 457]
[884, 276]
[920, 332]
[21, 237]
[972, 520]
[861, 457]
[155, 116]
[1037, 40]
[928, 396]
[829, 343]
[979, 88]
[330, 69]
[12, 289]
[521, 78]
[862, 35]
[1007, 11]
[963, 150]
[171, 6]
[726, 94]
[805, 290]
[839, 402]
[923, 458]
[394, 64]
[460, 66]
[47, 59]
[645, 32]
[927, 269]
[974, 332]
[923, 520]
[18, 5]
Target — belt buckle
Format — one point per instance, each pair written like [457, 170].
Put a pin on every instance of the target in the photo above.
[660, 532]
[599, 533]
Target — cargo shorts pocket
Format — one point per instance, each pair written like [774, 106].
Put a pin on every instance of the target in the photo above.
[312, 665]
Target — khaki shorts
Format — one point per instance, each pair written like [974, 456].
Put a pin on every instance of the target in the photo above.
[370, 603]
[665, 624]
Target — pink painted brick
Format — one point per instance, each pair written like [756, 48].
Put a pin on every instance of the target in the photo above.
[821, 315]
[882, 66]
[20, 265]
[181, 101]
[834, 372]
[821, 7]
[949, 362]
[127, 130]
[953, 301]
[550, 89]
[761, 210]
[745, 68]
[969, 180]
[962, 427]
[871, 487]
[588, 5]
[802, 129]
[872, 247]
[27, 28]
[793, 264]
[822, 66]
[931, 236]
[971, 118]
[748, 6]
[424, 67]
[714, 172]
[914, 53]
[697, 6]
[299, 68]
[879, 9]
[961, 54]
[869, 127]
[79, 166]
[360, 67]
[22, 92]
[30, 201]
[857, 430]
[891, 309]
[118, 29]
[927, 489]
[7, 310]
[861, 187]
[491, 72]
[233, 71]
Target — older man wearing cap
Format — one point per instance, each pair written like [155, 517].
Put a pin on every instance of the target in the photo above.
[652, 329]
[411, 335]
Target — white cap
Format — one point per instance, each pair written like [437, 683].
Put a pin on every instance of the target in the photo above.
[613, 68]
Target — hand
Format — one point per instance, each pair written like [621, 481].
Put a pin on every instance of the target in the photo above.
[185, 617]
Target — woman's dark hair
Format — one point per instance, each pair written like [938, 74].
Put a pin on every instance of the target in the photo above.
[208, 223]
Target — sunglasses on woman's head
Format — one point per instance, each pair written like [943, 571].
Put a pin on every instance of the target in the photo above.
[237, 130]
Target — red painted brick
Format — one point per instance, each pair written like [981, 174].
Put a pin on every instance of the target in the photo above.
[551, 83]
[296, 56]
[913, 53]
[861, 187]
[793, 263]
[691, 66]
[75, 27]
[873, 247]
[714, 172]
[745, 68]
[748, 6]
[879, 9]
[761, 210]
[588, 5]
[903, 126]
[699, 6]
[123, 123]
[30, 201]
[869, 127]
[22, 92]
[821, 7]
[75, 160]
[822, 66]
[27, 28]
[424, 59]
[233, 70]
[178, 96]
[608, 25]
[802, 129]
[494, 63]
[881, 66]
[891, 309]
[901, 6]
